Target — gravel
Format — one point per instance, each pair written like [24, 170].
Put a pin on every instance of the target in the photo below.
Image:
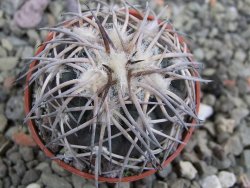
[227, 179]
[30, 176]
[3, 169]
[205, 169]
[15, 179]
[244, 134]
[28, 51]
[7, 44]
[77, 181]
[54, 181]
[187, 170]
[211, 181]
[34, 185]
[44, 167]
[239, 113]
[179, 183]
[14, 108]
[205, 112]
[165, 172]
[234, 145]
[3, 123]
[34, 37]
[218, 153]
[89, 186]
[3, 52]
[33, 9]
[202, 148]
[20, 167]
[27, 153]
[160, 184]
[14, 157]
[246, 159]
[59, 170]
[121, 185]
[8, 63]
[224, 125]
[6, 182]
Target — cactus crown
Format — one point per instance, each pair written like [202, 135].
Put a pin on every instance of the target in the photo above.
[112, 93]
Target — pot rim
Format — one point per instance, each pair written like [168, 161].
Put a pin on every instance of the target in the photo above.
[48, 153]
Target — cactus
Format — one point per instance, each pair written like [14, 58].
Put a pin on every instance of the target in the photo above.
[113, 93]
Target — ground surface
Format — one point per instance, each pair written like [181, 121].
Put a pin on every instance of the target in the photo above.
[218, 155]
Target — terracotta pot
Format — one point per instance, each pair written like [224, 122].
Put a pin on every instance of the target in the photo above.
[67, 167]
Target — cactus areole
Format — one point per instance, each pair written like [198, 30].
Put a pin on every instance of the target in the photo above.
[112, 94]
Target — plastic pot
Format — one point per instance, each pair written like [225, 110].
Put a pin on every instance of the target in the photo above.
[34, 132]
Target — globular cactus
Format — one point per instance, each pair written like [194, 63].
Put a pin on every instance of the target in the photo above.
[113, 91]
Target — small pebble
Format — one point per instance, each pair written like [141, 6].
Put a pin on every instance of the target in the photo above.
[3, 169]
[148, 180]
[244, 135]
[7, 182]
[227, 179]
[27, 52]
[34, 37]
[56, 8]
[225, 125]
[11, 131]
[89, 186]
[31, 176]
[3, 52]
[7, 44]
[232, 13]
[32, 164]
[199, 54]
[78, 182]
[205, 169]
[30, 14]
[234, 145]
[44, 167]
[123, 185]
[14, 157]
[205, 112]
[8, 63]
[209, 126]
[15, 179]
[209, 72]
[160, 184]
[187, 170]
[3, 123]
[195, 185]
[58, 169]
[239, 113]
[27, 153]
[34, 185]
[246, 159]
[180, 183]
[14, 108]
[17, 42]
[202, 148]
[165, 172]
[240, 56]
[209, 99]
[209, 55]
[55, 181]
[20, 167]
[211, 182]
[72, 5]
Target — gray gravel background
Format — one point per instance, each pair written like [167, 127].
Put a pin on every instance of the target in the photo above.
[218, 154]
